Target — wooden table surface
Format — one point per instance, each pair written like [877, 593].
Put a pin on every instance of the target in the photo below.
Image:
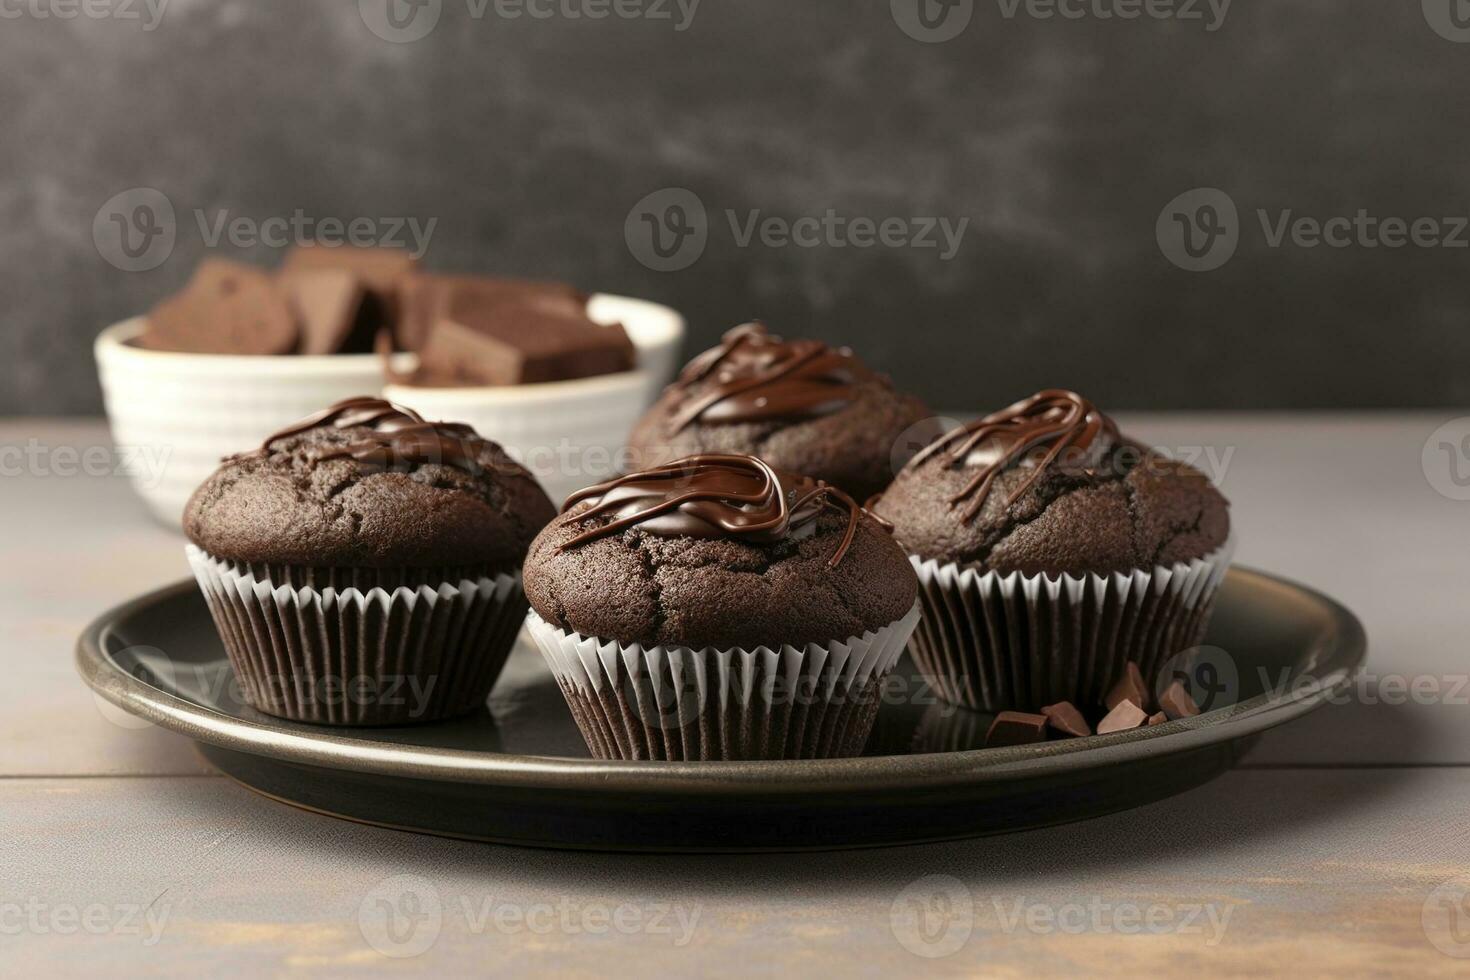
[1341, 845]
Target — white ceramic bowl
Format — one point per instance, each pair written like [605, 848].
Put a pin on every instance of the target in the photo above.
[186, 411]
[568, 433]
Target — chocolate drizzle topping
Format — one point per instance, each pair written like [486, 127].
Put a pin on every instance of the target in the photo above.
[713, 496]
[754, 375]
[398, 437]
[1054, 420]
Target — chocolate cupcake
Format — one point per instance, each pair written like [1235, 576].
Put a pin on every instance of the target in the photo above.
[1051, 551]
[363, 565]
[717, 608]
[800, 405]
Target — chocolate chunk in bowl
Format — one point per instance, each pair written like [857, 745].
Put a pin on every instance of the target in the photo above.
[226, 308]
[509, 344]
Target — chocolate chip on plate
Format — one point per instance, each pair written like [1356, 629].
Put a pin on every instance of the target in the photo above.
[1016, 728]
[1129, 687]
[1065, 718]
[1176, 701]
[1123, 717]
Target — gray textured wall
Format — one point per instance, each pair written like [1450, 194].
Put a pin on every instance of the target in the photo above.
[529, 140]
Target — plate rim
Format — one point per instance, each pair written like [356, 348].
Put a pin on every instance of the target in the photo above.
[291, 743]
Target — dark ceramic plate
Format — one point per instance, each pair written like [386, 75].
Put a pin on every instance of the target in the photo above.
[519, 773]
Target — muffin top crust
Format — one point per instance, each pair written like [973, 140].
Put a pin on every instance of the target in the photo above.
[369, 484]
[1050, 486]
[717, 550]
[800, 405]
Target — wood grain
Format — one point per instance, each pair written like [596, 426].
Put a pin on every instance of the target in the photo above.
[1316, 857]
[1311, 872]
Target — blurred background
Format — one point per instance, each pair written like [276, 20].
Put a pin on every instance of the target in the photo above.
[982, 197]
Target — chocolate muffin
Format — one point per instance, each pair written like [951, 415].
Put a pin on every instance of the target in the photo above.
[363, 565]
[1051, 551]
[718, 608]
[800, 405]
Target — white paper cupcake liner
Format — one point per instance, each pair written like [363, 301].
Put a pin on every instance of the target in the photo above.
[996, 642]
[676, 703]
[333, 653]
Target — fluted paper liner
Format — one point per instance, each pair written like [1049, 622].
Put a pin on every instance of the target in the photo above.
[347, 655]
[675, 703]
[994, 642]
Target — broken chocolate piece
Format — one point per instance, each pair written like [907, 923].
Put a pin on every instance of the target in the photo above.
[469, 330]
[1129, 687]
[1157, 718]
[1123, 717]
[333, 309]
[428, 298]
[381, 271]
[227, 308]
[1177, 702]
[1016, 728]
[457, 355]
[521, 345]
[1065, 718]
